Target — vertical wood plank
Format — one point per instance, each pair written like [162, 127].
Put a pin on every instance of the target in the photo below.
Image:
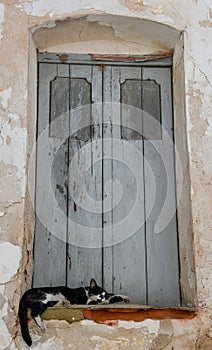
[84, 262]
[130, 263]
[162, 248]
[59, 106]
[49, 247]
[124, 263]
[109, 73]
[131, 95]
[151, 106]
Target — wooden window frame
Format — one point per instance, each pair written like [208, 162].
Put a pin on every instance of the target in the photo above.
[111, 314]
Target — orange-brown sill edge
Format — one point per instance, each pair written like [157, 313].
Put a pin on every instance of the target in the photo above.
[112, 314]
[138, 314]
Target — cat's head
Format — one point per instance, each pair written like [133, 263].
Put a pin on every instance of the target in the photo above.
[97, 294]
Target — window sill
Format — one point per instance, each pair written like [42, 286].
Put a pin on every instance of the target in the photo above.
[110, 314]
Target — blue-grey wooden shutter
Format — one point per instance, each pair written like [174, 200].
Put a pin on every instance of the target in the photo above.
[145, 264]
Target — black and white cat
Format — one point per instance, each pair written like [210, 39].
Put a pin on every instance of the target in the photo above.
[39, 299]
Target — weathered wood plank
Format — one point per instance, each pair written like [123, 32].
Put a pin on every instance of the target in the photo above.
[131, 272]
[131, 96]
[85, 259]
[124, 261]
[51, 173]
[162, 248]
[59, 100]
[151, 110]
[109, 96]
[129, 60]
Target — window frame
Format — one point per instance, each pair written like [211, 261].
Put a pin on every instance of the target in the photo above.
[102, 59]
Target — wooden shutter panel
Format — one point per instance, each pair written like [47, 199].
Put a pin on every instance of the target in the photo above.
[145, 265]
[50, 249]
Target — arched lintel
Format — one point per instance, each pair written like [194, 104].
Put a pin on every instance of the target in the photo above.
[113, 31]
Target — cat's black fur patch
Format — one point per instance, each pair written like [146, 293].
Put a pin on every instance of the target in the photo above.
[39, 299]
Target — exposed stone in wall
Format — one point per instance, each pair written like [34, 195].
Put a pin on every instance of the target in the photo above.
[17, 132]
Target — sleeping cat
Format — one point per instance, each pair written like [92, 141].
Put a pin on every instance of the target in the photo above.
[39, 299]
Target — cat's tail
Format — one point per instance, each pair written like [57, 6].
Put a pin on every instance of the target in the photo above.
[22, 313]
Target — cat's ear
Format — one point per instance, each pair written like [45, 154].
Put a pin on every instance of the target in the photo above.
[93, 283]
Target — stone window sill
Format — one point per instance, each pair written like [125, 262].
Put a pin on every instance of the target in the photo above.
[110, 314]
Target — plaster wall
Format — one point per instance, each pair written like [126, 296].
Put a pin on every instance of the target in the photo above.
[101, 27]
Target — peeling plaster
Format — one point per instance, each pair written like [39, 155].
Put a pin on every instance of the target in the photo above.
[153, 326]
[2, 9]
[10, 256]
[42, 7]
[167, 13]
[52, 8]
[137, 5]
[209, 128]
[3, 311]
[189, 125]
[5, 96]
[101, 342]
[5, 336]
[51, 24]
[49, 344]
[13, 147]
[194, 52]
[208, 21]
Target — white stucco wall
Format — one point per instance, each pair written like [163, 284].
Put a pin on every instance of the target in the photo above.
[18, 20]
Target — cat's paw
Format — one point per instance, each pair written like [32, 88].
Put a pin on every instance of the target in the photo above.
[63, 303]
[43, 328]
[66, 303]
[126, 299]
[119, 299]
[104, 302]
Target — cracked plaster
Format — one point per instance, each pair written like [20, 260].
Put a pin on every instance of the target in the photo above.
[2, 9]
[5, 96]
[8, 265]
[13, 148]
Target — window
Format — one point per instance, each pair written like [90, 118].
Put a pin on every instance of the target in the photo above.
[105, 182]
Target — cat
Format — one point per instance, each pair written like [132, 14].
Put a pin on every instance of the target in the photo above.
[39, 299]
